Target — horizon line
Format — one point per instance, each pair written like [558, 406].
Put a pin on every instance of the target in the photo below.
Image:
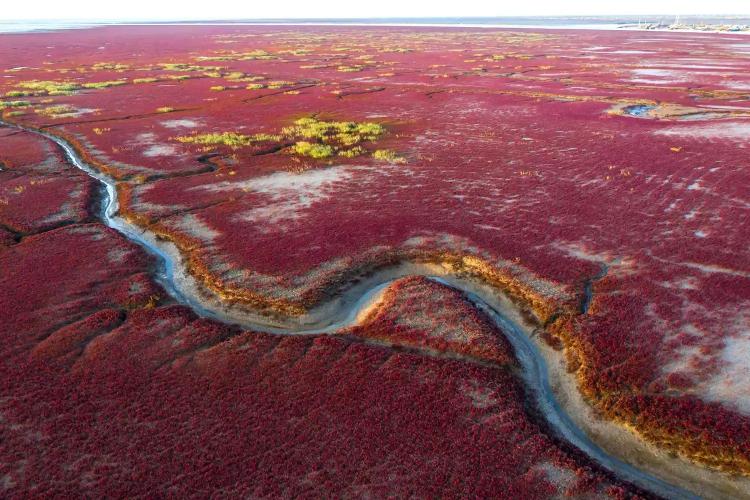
[360, 18]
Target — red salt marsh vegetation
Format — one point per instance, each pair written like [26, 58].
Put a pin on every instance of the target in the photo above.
[109, 389]
[38, 189]
[599, 178]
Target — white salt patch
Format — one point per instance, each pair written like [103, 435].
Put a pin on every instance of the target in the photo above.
[561, 478]
[700, 234]
[655, 72]
[276, 212]
[195, 227]
[281, 182]
[152, 149]
[731, 108]
[659, 76]
[80, 112]
[117, 255]
[481, 397]
[687, 357]
[581, 251]
[733, 131]
[732, 384]
[737, 85]
[145, 138]
[488, 227]
[691, 214]
[653, 82]
[182, 123]
[75, 112]
[159, 150]
[686, 283]
[288, 194]
[713, 268]
[687, 64]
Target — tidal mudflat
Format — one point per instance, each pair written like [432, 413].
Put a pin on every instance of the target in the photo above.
[590, 186]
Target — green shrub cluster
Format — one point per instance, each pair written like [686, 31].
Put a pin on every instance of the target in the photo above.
[312, 149]
[49, 87]
[56, 111]
[180, 67]
[238, 56]
[387, 155]
[308, 137]
[341, 138]
[64, 87]
[111, 66]
[14, 104]
[104, 85]
[232, 139]
[352, 152]
[347, 133]
[279, 84]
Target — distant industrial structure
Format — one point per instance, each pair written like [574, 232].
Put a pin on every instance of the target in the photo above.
[678, 26]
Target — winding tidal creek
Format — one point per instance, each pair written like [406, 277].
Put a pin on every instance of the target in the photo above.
[170, 273]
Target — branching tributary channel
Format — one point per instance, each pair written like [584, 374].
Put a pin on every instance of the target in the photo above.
[533, 364]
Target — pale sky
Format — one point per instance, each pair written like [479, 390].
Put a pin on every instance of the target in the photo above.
[14, 10]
